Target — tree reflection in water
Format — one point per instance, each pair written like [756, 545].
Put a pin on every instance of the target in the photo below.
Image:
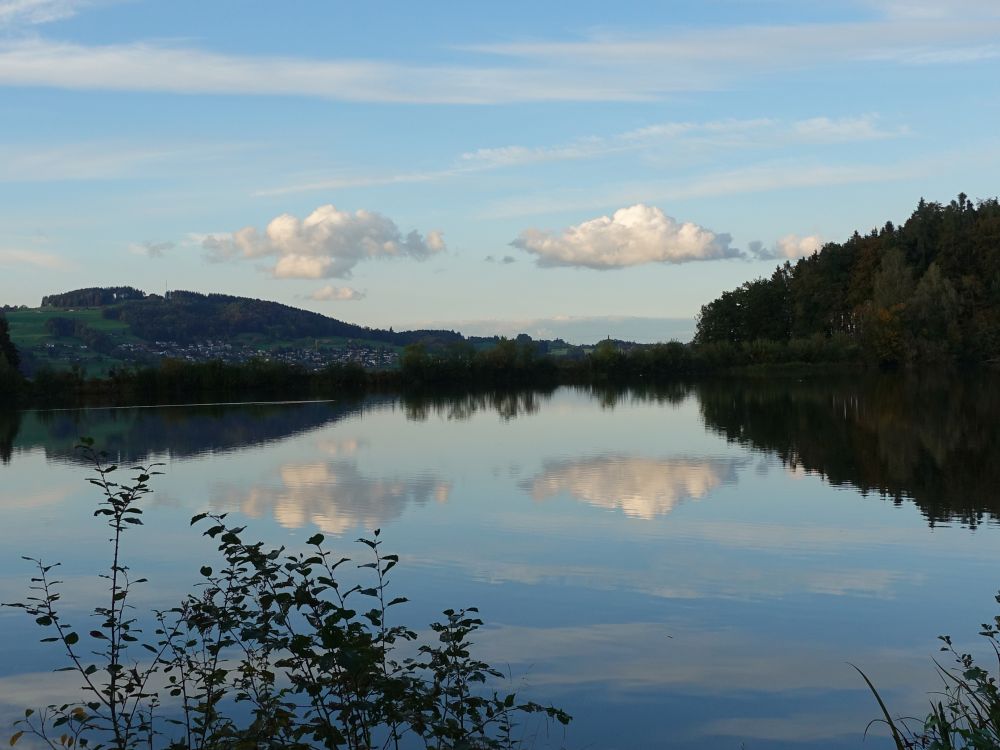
[930, 439]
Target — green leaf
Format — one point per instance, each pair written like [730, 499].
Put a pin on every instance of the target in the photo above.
[206, 571]
[315, 540]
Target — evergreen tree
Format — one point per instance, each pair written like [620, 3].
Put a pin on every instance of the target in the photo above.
[7, 349]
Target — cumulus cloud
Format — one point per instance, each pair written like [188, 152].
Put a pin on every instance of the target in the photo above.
[331, 293]
[328, 243]
[633, 236]
[151, 249]
[793, 246]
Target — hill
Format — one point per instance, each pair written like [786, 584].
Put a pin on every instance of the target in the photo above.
[98, 329]
[926, 291]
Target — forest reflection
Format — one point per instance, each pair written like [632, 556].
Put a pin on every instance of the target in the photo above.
[136, 434]
[930, 439]
[460, 406]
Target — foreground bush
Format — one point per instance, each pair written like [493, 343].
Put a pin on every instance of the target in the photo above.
[965, 714]
[272, 651]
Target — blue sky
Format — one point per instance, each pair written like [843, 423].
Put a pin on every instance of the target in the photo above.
[581, 169]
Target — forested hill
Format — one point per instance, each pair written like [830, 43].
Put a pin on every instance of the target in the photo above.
[186, 317]
[928, 290]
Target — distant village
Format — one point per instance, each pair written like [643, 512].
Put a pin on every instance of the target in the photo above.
[313, 358]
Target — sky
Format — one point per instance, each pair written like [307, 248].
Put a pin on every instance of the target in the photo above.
[582, 169]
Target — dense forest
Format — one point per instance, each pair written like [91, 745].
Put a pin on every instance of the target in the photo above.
[926, 291]
[93, 297]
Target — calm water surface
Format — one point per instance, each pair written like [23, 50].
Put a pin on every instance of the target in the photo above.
[693, 568]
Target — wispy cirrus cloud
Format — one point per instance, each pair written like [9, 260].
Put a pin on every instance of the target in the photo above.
[327, 243]
[756, 178]
[32, 12]
[933, 10]
[713, 135]
[149, 67]
[707, 57]
[105, 160]
[35, 258]
[599, 67]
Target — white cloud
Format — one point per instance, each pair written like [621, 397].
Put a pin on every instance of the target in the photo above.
[328, 243]
[633, 236]
[331, 293]
[35, 258]
[792, 246]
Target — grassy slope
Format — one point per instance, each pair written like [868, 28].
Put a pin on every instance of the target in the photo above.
[27, 330]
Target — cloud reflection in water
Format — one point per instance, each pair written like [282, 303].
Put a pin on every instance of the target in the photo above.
[640, 487]
[334, 496]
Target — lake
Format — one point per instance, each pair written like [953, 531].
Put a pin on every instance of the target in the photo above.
[687, 568]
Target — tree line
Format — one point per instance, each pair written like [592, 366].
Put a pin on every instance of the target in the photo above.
[926, 291]
[93, 297]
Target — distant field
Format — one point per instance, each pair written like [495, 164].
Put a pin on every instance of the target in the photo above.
[27, 327]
